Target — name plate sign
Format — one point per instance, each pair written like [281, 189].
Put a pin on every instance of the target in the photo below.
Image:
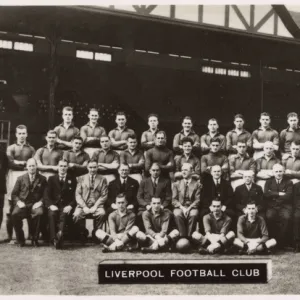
[184, 271]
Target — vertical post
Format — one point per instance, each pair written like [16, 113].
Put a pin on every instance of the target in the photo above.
[261, 78]
[53, 40]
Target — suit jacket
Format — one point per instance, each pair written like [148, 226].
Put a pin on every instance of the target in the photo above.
[3, 171]
[297, 196]
[242, 196]
[272, 189]
[60, 196]
[21, 189]
[131, 189]
[83, 190]
[224, 192]
[146, 192]
[193, 190]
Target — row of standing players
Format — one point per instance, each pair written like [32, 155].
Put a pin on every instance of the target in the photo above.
[65, 135]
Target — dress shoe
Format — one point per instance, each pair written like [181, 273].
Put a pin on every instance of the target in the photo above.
[35, 243]
[106, 249]
[21, 244]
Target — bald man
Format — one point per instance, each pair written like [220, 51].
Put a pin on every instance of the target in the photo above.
[27, 196]
[278, 194]
[185, 201]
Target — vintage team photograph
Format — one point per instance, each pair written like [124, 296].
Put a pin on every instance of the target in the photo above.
[159, 142]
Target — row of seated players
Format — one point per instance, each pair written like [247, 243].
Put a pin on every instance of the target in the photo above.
[155, 205]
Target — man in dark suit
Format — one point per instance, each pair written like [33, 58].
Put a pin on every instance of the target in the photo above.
[297, 216]
[278, 194]
[154, 186]
[186, 200]
[91, 195]
[248, 192]
[27, 195]
[60, 202]
[3, 172]
[123, 184]
[217, 187]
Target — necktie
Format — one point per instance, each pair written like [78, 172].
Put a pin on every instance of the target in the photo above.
[186, 192]
[92, 182]
[61, 181]
[123, 186]
[154, 186]
[31, 181]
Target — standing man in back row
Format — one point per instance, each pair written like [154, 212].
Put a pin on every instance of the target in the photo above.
[66, 130]
[17, 154]
[187, 131]
[120, 134]
[91, 133]
[148, 137]
[264, 134]
[212, 134]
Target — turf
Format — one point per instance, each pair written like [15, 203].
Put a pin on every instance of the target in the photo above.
[73, 271]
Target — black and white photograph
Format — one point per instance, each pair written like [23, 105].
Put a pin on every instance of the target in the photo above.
[149, 149]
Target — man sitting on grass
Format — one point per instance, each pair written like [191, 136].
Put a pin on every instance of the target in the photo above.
[216, 226]
[252, 232]
[122, 229]
[156, 220]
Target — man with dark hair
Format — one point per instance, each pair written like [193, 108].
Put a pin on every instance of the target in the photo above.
[154, 186]
[27, 195]
[48, 156]
[238, 134]
[134, 158]
[185, 202]
[161, 155]
[123, 184]
[214, 157]
[17, 155]
[187, 157]
[290, 134]
[213, 133]
[216, 225]
[264, 134]
[278, 194]
[120, 134]
[240, 163]
[66, 130]
[60, 202]
[248, 192]
[91, 196]
[187, 131]
[91, 132]
[158, 234]
[296, 216]
[121, 227]
[252, 232]
[77, 158]
[216, 187]
[148, 137]
[291, 163]
[108, 159]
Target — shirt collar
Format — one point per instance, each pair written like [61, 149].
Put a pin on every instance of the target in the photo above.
[251, 221]
[125, 213]
[271, 157]
[244, 157]
[123, 179]
[149, 130]
[71, 125]
[187, 181]
[109, 150]
[234, 130]
[134, 152]
[76, 153]
[213, 216]
[124, 129]
[62, 177]
[289, 129]
[89, 124]
[268, 128]
[191, 132]
[217, 133]
[25, 144]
